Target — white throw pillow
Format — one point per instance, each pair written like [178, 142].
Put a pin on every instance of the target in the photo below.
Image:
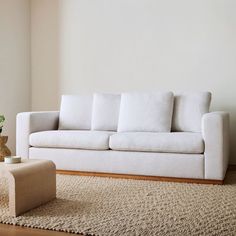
[146, 112]
[105, 113]
[189, 109]
[76, 112]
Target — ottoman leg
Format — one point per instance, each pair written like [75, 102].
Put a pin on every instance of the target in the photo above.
[31, 187]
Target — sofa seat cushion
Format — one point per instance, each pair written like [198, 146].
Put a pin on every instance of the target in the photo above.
[95, 140]
[175, 142]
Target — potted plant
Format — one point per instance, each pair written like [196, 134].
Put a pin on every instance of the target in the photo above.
[2, 119]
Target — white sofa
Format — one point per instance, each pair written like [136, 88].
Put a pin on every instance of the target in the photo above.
[145, 134]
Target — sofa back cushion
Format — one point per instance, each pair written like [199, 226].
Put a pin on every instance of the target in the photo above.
[105, 113]
[146, 112]
[76, 112]
[189, 109]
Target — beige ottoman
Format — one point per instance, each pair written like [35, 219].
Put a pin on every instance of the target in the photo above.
[31, 184]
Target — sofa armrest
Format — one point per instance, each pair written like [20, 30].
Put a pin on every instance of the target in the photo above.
[215, 131]
[30, 122]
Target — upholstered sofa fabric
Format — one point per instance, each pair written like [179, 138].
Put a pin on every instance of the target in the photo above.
[30, 122]
[98, 140]
[143, 144]
[189, 107]
[105, 113]
[124, 162]
[175, 142]
[215, 132]
[150, 112]
[76, 112]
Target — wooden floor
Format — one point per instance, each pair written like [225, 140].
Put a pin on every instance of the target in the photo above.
[10, 230]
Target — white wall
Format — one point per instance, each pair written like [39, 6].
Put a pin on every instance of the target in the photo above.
[14, 62]
[110, 45]
[44, 54]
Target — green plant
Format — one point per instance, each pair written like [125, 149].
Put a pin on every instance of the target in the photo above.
[2, 119]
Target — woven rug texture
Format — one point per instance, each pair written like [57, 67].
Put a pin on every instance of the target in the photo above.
[105, 206]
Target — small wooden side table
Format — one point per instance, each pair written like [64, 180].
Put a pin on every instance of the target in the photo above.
[31, 184]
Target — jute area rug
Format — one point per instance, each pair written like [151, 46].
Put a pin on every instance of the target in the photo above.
[103, 206]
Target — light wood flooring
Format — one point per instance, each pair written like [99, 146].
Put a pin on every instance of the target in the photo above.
[10, 230]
